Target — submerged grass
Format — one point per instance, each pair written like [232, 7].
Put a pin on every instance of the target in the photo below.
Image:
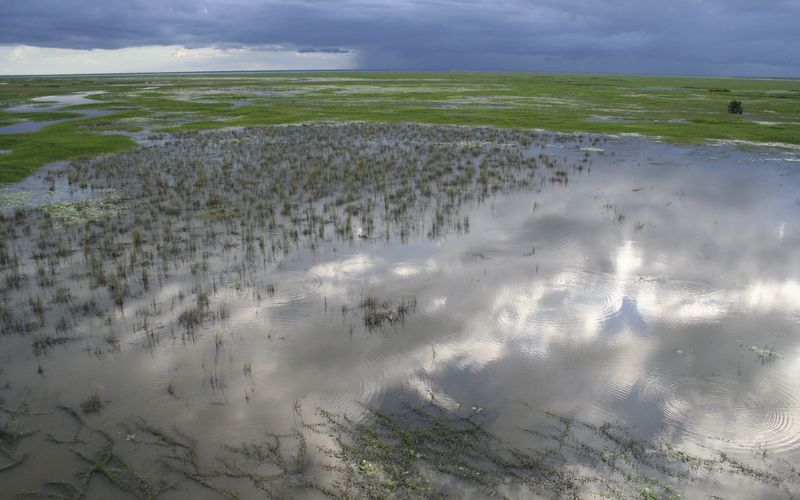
[421, 452]
[417, 453]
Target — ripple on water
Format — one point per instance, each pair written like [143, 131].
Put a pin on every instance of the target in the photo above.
[730, 412]
[379, 371]
[578, 306]
[671, 303]
[355, 410]
[604, 380]
[421, 270]
[644, 304]
[771, 295]
[435, 314]
[274, 322]
[569, 302]
[511, 242]
[357, 267]
[285, 287]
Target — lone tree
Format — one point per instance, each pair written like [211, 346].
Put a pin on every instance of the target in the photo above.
[735, 107]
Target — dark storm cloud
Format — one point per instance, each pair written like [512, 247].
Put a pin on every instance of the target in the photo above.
[679, 36]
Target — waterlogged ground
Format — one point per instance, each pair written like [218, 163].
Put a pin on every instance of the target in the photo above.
[48, 105]
[402, 310]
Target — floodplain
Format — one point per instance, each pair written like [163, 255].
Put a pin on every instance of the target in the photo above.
[251, 289]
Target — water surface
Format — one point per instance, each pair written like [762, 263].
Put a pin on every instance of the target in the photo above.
[607, 280]
[52, 104]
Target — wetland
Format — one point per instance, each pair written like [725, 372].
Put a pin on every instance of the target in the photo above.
[388, 309]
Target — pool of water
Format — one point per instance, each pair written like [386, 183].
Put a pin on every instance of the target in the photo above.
[607, 119]
[50, 104]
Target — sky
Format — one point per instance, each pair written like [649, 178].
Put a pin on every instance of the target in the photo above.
[701, 37]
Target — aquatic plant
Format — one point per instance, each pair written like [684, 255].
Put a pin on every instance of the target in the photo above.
[82, 212]
[765, 354]
[378, 313]
[93, 402]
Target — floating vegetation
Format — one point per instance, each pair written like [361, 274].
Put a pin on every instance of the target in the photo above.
[106, 205]
[14, 199]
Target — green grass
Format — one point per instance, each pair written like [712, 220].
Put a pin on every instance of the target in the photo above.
[678, 109]
[57, 142]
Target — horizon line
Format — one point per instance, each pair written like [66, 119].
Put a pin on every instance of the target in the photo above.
[290, 71]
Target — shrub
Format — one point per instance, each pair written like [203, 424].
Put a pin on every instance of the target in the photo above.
[735, 107]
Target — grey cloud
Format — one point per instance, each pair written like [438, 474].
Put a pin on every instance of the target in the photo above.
[680, 36]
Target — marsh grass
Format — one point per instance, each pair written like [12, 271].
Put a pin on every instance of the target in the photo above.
[422, 451]
[271, 191]
[765, 354]
[94, 401]
[42, 343]
[378, 313]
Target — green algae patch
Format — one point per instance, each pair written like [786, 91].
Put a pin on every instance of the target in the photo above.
[92, 210]
[15, 199]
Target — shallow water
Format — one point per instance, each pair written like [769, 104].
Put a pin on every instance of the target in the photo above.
[49, 104]
[48, 185]
[657, 288]
[607, 119]
[657, 88]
